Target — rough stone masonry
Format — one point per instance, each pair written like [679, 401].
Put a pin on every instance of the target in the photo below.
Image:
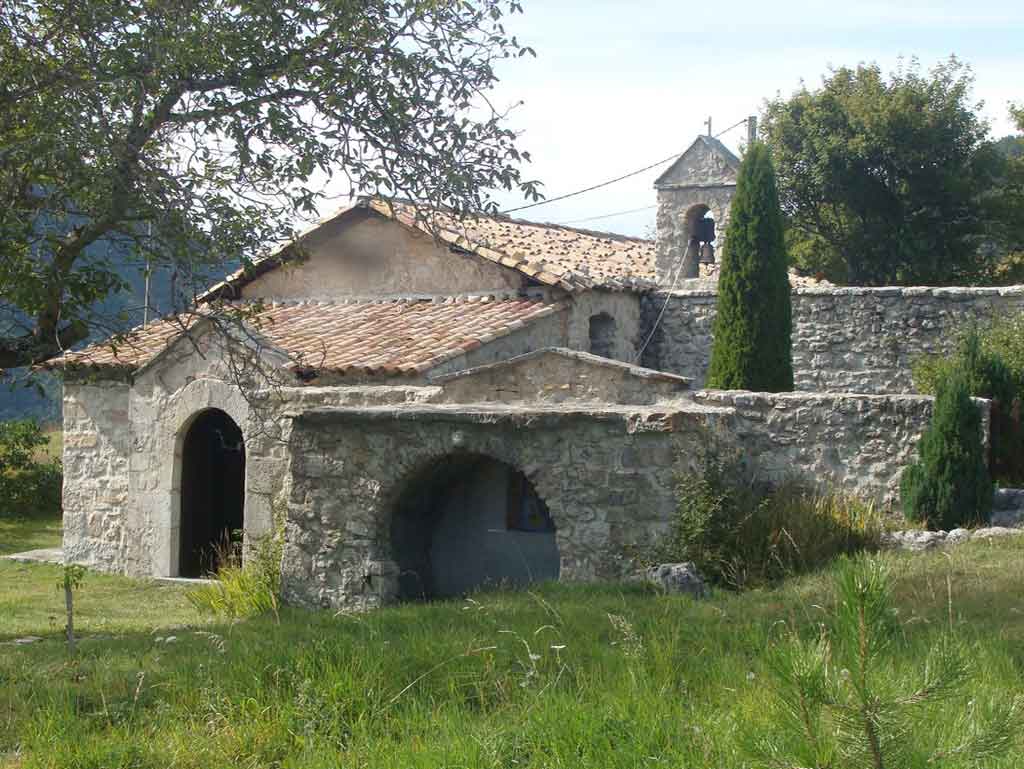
[855, 340]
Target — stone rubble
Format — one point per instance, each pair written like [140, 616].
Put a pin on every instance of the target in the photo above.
[1008, 508]
[915, 540]
[677, 578]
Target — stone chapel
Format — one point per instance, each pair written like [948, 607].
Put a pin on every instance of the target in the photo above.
[426, 405]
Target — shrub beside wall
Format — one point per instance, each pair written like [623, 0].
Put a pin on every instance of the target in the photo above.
[992, 360]
[950, 485]
[741, 534]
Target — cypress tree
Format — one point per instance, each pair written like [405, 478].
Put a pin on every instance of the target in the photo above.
[949, 485]
[754, 322]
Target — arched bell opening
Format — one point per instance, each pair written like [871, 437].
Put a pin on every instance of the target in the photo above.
[212, 494]
[466, 522]
[700, 233]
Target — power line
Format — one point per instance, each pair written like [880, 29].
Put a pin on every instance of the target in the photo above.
[609, 216]
[616, 179]
[594, 187]
[668, 298]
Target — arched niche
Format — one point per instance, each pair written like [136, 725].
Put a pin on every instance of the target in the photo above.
[467, 521]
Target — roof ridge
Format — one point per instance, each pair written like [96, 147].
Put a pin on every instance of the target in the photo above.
[574, 259]
[498, 216]
[465, 296]
[556, 226]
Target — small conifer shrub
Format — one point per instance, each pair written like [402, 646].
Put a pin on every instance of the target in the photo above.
[949, 486]
[992, 356]
[839, 704]
[754, 321]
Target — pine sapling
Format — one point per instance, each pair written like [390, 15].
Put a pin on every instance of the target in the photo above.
[839, 704]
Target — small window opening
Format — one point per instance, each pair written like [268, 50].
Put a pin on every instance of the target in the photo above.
[602, 335]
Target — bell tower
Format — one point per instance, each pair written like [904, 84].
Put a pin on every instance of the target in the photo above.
[694, 195]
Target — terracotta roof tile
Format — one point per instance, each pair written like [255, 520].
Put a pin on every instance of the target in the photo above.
[551, 254]
[391, 338]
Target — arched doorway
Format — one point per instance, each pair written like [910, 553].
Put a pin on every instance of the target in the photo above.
[212, 492]
[468, 521]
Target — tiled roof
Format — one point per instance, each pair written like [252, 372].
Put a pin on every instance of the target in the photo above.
[551, 254]
[392, 338]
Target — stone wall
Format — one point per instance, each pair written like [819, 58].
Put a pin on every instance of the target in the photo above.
[341, 457]
[622, 306]
[844, 339]
[857, 443]
[606, 476]
[97, 447]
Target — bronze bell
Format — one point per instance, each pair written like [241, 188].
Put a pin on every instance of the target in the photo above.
[707, 254]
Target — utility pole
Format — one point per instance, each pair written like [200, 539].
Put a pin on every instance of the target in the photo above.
[708, 124]
[145, 301]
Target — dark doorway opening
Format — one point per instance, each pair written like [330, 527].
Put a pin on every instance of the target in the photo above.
[602, 335]
[212, 493]
[467, 522]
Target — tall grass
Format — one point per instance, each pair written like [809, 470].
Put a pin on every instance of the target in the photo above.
[795, 529]
[564, 676]
[244, 587]
[742, 534]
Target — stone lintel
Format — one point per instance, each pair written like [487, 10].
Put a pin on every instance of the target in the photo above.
[584, 357]
[507, 415]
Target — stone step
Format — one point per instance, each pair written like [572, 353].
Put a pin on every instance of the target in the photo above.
[43, 555]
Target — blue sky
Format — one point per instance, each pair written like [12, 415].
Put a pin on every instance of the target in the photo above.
[618, 85]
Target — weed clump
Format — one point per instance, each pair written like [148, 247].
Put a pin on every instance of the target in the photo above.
[741, 533]
[244, 588]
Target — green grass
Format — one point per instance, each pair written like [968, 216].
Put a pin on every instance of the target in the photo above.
[563, 676]
[34, 533]
[31, 604]
[18, 534]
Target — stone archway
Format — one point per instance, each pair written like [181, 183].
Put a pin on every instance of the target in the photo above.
[467, 521]
[212, 492]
